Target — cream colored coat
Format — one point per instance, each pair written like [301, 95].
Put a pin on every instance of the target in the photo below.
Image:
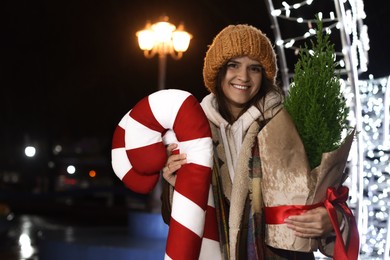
[235, 142]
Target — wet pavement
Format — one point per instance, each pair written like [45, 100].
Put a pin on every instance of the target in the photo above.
[41, 237]
[20, 239]
[94, 220]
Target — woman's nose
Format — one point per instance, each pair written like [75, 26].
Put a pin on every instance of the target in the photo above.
[243, 75]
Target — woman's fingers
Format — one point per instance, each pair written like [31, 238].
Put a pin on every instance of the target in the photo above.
[313, 223]
[174, 163]
[171, 147]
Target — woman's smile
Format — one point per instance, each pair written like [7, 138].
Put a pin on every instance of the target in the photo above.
[240, 87]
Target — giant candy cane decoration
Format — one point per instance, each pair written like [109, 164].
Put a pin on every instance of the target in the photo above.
[139, 153]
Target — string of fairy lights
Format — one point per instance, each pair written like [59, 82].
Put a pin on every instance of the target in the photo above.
[369, 100]
[352, 22]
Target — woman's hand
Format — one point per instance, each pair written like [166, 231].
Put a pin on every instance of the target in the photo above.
[174, 163]
[311, 224]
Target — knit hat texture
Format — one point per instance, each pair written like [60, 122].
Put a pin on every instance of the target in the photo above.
[236, 41]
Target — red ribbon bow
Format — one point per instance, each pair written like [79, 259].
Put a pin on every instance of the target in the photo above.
[339, 197]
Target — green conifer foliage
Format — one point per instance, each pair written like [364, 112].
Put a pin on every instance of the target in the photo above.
[315, 101]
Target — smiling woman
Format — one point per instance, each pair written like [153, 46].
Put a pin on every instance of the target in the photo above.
[233, 45]
[244, 103]
[239, 71]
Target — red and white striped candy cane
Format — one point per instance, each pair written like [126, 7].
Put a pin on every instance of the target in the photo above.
[139, 153]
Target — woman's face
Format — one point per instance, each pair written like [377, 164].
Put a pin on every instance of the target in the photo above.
[241, 83]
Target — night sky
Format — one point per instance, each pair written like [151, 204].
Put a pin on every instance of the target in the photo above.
[71, 69]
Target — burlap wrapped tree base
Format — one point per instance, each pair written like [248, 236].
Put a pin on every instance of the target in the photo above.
[288, 180]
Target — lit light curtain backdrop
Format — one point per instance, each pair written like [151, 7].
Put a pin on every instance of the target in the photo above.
[293, 24]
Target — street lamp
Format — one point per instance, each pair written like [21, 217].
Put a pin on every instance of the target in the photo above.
[163, 38]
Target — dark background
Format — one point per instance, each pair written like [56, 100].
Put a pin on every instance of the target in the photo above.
[71, 69]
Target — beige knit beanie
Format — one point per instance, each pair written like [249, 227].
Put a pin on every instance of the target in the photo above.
[235, 41]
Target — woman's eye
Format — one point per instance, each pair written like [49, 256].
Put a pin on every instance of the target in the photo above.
[232, 65]
[255, 69]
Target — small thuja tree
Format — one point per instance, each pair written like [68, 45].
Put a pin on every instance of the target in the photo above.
[315, 101]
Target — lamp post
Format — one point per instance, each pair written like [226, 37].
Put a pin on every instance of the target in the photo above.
[163, 38]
